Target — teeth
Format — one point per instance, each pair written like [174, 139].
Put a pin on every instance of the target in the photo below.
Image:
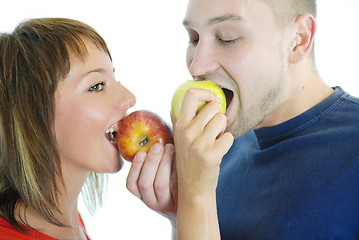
[111, 132]
[112, 135]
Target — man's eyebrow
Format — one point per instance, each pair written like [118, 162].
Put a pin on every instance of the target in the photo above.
[224, 18]
[217, 20]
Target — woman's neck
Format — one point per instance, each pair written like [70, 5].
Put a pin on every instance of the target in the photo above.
[67, 205]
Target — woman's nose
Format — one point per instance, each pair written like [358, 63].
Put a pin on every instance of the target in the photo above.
[125, 98]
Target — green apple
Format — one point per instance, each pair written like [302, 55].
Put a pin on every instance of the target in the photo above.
[179, 94]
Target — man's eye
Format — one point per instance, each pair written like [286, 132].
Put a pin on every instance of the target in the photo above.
[230, 41]
[193, 37]
[193, 41]
[97, 87]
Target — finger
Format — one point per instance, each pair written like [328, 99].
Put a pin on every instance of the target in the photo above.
[206, 115]
[224, 143]
[148, 174]
[134, 173]
[215, 127]
[162, 182]
[173, 120]
[174, 182]
[191, 100]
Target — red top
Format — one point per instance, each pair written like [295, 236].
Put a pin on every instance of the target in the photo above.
[8, 232]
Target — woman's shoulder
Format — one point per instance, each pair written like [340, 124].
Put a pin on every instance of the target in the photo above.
[9, 232]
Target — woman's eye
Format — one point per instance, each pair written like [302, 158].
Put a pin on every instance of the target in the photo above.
[97, 87]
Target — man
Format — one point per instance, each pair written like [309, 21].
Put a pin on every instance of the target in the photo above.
[292, 171]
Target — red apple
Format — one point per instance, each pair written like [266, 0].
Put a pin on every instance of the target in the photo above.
[139, 131]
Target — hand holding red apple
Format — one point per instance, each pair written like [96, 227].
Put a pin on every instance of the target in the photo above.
[151, 176]
[139, 131]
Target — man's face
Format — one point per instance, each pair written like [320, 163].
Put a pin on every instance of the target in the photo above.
[238, 45]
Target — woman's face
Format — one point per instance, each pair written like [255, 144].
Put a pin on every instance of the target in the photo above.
[88, 103]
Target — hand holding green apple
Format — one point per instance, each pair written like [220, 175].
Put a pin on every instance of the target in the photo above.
[179, 94]
[139, 131]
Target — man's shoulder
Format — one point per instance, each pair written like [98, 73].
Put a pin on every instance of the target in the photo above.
[345, 110]
[349, 99]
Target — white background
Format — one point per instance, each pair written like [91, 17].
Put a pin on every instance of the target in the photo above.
[148, 45]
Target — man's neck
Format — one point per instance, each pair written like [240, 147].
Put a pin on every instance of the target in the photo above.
[306, 94]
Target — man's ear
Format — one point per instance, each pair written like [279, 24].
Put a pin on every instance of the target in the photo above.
[303, 38]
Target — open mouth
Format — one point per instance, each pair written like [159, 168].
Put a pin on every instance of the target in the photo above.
[111, 132]
[229, 96]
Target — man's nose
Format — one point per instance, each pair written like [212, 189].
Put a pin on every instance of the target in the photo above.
[202, 60]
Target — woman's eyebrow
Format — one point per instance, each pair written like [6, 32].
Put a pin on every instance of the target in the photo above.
[97, 70]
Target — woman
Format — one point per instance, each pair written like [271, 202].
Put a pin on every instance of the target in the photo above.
[58, 99]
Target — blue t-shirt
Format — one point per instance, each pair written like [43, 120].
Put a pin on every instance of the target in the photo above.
[297, 180]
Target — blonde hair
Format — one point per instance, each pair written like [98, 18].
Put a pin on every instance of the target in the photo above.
[286, 11]
[33, 59]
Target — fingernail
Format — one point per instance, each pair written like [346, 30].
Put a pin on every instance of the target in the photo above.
[156, 148]
[169, 148]
[140, 156]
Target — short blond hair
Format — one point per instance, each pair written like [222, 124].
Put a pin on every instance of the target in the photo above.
[286, 11]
